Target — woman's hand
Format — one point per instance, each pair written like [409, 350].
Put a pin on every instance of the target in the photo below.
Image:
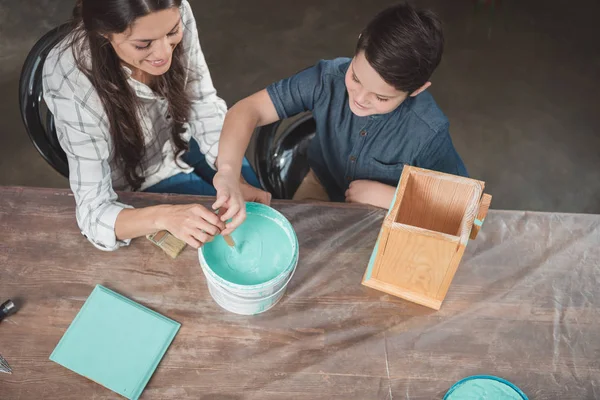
[192, 223]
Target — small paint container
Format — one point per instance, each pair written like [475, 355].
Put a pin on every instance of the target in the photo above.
[253, 276]
[484, 387]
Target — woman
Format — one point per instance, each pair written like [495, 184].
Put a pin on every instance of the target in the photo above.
[128, 89]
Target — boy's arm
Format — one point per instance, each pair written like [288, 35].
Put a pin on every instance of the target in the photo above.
[439, 155]
[370, 192]
[240, 122]
[280, 100]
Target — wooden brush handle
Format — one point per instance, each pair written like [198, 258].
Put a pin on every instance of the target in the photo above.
[229, 240]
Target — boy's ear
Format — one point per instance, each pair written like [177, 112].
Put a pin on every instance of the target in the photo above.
[421, 89]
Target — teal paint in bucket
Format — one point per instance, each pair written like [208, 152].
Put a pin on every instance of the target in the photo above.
[484, 387]
[253, 277]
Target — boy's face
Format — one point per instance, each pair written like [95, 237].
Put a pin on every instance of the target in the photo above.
[368, 93]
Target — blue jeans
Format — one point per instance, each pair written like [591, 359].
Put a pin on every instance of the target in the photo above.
[198, 182]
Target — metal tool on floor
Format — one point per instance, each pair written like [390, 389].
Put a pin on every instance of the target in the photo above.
[4, 367]
[7, 308]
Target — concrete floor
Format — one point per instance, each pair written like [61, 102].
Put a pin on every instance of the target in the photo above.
[520, 82]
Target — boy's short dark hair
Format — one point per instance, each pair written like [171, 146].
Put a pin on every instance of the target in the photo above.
[403, 45]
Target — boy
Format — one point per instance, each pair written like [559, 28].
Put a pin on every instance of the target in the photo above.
[372, 113]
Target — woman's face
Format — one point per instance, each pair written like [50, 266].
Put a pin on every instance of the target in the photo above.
[147, 45]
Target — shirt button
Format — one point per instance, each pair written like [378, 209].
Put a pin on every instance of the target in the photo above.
[363, 133]
[352, 158]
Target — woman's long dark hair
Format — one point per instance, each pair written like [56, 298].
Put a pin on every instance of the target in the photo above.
[91, 20]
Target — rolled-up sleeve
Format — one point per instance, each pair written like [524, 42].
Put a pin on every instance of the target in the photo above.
[208, 110]
[84, 136]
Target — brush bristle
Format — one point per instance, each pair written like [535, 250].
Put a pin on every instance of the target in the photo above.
[173, 246]
[168, 243]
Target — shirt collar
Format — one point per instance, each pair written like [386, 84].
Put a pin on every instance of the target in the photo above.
[141, 90]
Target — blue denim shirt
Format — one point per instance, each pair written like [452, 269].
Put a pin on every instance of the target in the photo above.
[347, 147]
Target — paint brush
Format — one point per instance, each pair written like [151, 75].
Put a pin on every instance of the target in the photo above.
[167, 242]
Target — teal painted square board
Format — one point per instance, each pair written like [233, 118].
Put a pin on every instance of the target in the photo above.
[115, 342]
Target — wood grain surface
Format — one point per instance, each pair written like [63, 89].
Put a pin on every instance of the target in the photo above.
[524, 305]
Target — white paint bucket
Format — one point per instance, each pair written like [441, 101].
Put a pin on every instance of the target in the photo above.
[250, 299]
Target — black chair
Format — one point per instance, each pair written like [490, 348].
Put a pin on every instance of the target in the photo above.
[38, 120]
[280, 159]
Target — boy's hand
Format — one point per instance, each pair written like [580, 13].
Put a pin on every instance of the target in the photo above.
[370, 192]
[230, 197]
[232, 194]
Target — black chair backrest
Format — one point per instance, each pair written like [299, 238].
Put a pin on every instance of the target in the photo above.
[38, 120]
[281, 158]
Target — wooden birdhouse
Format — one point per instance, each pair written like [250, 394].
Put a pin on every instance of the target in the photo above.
[424, 235]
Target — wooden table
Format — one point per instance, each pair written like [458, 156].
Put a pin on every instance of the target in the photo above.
[524, 305]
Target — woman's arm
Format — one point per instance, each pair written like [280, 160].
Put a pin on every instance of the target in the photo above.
[83, 134]
[192, 223]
